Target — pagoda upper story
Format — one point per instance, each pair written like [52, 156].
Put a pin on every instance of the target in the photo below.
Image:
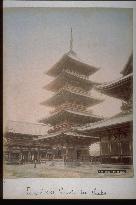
[72, 64]
[71, 88]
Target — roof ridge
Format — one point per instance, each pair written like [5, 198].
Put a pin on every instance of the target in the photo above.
[26, 122]
[107, 119]
[91, 114]
[114, 81]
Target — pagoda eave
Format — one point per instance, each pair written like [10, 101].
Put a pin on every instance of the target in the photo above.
[76, 117]
[60, 101]
[68, 96]
[65, 77]
[73, 62]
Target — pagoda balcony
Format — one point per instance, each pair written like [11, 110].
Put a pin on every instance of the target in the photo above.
[71, 106]
[75, 89]
[86, 77]
[62, 127]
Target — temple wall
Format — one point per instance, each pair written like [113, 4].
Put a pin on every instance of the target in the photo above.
[116, 147]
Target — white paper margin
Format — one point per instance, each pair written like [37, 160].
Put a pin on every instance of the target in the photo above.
[116, 188]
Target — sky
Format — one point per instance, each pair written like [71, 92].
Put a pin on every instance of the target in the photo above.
[36, 38]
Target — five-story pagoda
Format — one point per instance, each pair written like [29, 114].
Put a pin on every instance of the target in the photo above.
[72, 95]
[72, 92]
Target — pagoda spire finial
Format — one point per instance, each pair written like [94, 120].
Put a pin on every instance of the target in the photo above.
[71, 40]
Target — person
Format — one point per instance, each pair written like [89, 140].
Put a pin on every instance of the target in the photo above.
[35, 163]
[65, 159]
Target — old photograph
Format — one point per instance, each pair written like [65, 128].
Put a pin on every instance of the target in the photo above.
[68, 93]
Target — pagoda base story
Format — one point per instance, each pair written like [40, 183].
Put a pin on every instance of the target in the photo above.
[76, 155]
[66, 154]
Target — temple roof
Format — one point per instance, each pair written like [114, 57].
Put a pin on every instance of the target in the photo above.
[128, 67]
[71, 78]
[120, 88]
[74, 133]
[72, 116]
[70, 59]
[27, 128]
[65, 95]
[49, 135]
[107, 123]
[116, 82]
[70, 133]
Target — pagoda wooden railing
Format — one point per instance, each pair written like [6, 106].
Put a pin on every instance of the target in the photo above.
[74, 89]
[60, 127]
[77, 74]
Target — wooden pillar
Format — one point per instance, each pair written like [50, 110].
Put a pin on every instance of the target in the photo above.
[38, 159]
[21, 157]
[121, 151]
[109, 151]
[101, 158]
[131, 151]
[130, 146]
[9, 156]
[74, 153]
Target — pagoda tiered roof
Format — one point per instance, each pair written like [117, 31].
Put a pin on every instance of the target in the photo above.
[66, 95]
[71, 86]
[120, 88]
[74, 116]
[70, 60]
[66, 77]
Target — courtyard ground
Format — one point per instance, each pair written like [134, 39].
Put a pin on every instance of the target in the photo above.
[58, 170]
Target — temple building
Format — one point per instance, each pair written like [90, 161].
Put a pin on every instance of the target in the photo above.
[72, 93]
[116, 133]
[115, 136]
[19, 144]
